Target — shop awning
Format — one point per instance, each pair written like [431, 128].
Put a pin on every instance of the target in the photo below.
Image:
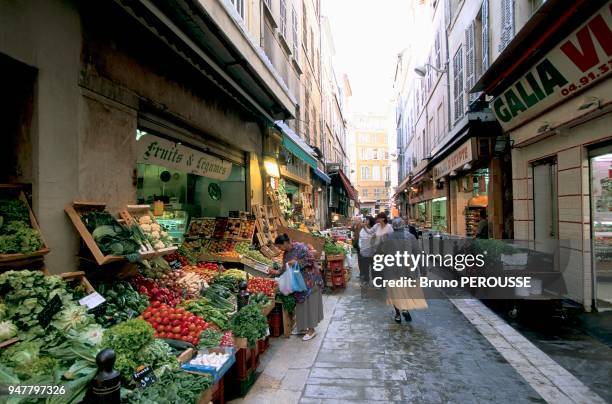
[296, 145]
[347, 185]
[322, 176]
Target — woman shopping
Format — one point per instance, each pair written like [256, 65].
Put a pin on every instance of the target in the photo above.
[309, 308]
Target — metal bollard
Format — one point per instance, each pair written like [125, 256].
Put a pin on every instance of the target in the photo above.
[105, 387]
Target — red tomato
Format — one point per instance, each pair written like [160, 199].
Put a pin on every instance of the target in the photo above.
[165, 321]
[156, 304]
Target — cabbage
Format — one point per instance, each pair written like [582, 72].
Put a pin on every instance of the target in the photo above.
[7, 330]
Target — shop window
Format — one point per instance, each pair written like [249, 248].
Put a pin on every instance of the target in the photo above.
[601, 224]
[545, 199]
[438, 214]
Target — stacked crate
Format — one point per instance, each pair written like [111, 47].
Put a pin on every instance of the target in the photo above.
[335, 273]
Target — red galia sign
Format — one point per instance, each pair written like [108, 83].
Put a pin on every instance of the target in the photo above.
[581, 60]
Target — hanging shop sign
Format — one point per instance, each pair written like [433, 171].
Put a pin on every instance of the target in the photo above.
[457, 159]
[151, 149]
[579, 61]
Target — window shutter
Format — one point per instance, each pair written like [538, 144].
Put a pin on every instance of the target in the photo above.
[437, 49]
[458, 84]
[507, 23]
[485, 35]
[470, 60]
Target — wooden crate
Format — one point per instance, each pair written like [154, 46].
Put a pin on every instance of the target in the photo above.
[131, 215]
[317, 243]
[78, 276]
[11, 260]
[74, 211]
[265, 310]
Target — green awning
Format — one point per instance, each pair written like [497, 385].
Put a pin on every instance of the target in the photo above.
[297, 146]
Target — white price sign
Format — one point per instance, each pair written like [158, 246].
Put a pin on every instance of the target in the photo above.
[92, 300]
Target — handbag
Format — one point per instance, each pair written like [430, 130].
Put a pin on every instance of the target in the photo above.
[297, 279]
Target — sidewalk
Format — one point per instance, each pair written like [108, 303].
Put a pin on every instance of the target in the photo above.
[456, 351]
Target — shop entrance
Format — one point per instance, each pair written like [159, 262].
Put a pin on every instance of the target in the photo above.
[601, 225]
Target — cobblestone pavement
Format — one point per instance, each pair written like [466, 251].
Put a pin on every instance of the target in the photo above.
[457, 351]
[438, 357]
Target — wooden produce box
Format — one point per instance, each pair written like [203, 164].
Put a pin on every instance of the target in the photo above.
[78, 276]
[317, 243]
[74, 212]
[131, 214]
[265, 310]
[10, 191]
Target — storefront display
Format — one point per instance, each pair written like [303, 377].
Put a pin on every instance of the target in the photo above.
[438, 214]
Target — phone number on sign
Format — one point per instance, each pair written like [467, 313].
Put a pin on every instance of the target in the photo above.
[32, 390]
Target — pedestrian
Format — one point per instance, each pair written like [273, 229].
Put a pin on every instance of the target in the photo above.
[309, 308]
[483, 225]
[367, 237]
[383, 228]
[403, 298]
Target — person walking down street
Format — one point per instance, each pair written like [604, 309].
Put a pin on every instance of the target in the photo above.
[404, 298]
[309, 308]
[367, 249]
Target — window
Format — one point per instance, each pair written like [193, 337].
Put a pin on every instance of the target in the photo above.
[387, 173]
[377, 193]
[438, 57]
[304, 26]
[374, 154]
[484, 44]
[239, 5]
[470, 60]
[458, 83]
[312, 47]
[365, 192]
[507, 23]
[364, 153]
[440, 125]
[365, 173]
[269, 4]
[294, 25]
[283, 17]
[376, 173]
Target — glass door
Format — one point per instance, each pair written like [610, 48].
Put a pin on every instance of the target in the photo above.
[601, 225]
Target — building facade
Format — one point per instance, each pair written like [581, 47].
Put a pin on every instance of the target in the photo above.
[553, 107]
[372, 167]
[210, 81]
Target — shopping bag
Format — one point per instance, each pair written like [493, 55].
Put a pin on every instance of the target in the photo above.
[297, 279]
[284, 282]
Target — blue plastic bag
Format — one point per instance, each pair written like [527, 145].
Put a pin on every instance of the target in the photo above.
[297, 280]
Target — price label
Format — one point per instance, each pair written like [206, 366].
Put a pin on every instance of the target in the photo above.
[144, 376]
[51, 308]
[92, 300]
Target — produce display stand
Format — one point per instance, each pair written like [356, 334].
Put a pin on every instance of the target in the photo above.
[74, 212]
[266, 231]
[276, 213]
[15, 261]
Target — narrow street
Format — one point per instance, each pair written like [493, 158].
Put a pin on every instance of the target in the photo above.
[457, 351]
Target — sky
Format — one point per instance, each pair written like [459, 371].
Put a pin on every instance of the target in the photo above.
[368, 35]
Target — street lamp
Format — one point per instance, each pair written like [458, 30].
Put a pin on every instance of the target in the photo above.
[422, 70]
